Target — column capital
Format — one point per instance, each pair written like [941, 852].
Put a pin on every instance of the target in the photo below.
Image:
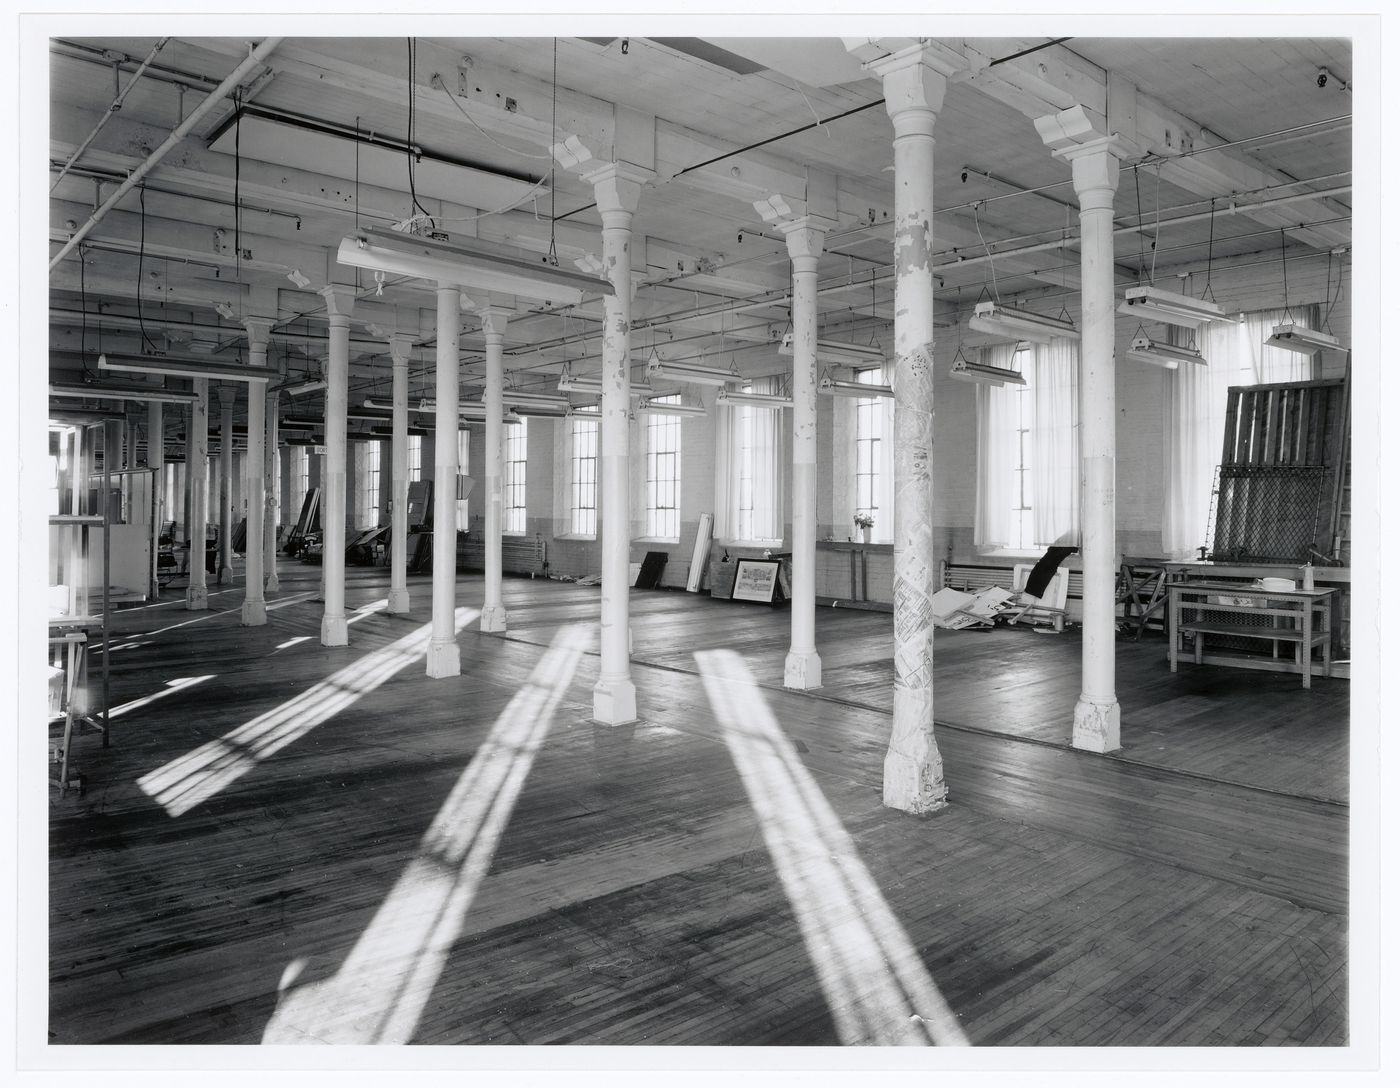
[805, 236]
[228, 396]
[915, 77]
[259, 329]
[340, 300]
[617, 186]
[494, 320]
[400, 347]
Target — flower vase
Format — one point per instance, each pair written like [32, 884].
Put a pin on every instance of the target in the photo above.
[865, 531]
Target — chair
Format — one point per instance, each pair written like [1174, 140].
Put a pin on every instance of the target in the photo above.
[1142, 592]
[1046, 610]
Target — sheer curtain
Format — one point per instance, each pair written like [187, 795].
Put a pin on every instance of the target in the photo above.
[996, 453]
[884, 526]
[1055, 443]
[765, 466]
[1194, 410]
[725, 498]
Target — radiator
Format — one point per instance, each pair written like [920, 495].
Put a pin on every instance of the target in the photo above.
[975, 577]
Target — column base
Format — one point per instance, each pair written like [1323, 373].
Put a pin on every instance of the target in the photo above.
[444, 659]
[1096, 726]
[615, 701]
[334, 631]
[398, 602]
[197, 598]
[254, 614]
[802, 670]
[493, 618]
[914, 785]
[272, 585]
[225, 575]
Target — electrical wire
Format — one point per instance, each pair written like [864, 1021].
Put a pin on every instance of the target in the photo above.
[412, 127]
[237, 163]
[438, 81]
[554, 137]
[146, 341]
[991, 264]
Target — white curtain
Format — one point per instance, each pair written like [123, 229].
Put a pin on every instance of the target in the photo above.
[1194, 410]
[725, 489]
[765, 463]
[996, 454]
[884, 492]
[1054, 457]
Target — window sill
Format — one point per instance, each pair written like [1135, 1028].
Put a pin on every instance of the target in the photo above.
[575, 536]
[656, 540]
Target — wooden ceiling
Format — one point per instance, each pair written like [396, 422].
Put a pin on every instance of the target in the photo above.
[711, 275]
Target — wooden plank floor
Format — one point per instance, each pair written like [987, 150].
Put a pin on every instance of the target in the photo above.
[621, 885]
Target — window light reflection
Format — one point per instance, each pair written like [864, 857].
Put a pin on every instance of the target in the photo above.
[193, 778]
[379, 993]
[871, 975]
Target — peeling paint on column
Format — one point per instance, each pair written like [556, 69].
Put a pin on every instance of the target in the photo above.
[913, 778]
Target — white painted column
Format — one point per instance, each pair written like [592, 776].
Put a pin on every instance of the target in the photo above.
[155, 460]
[400, 347]
[617, 188]
[272, 467]
[227, 395]
[340, 302]
[915, 80]
[1094, 158]
[254, 612]
[803, 667]
[493, 324]
[444, 655]
[197, 469]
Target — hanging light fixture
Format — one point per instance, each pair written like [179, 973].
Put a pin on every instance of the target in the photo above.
[1011, 323]
[752, 400]
[1288, 334]
[518, 398]
[570, 382]
[1144, 349]
[658, 407]
[153, 394]
[381, 250]
[688, 372]
[837, 387]
[179, 369]
[965, 370]
[1153, 304]
[839, 351]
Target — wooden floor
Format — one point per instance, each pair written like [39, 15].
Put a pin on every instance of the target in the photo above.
[322, 845]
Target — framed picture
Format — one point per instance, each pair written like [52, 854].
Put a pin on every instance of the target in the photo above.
[755, 580]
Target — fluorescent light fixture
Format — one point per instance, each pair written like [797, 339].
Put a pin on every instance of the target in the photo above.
[835, 387]
[375, 414]
[1293, 337]
[58, 414]
[466, 266]
[1009, 323]
[753, 400]
[570, 382]
[388, 405]
[301, 423]
[296, 389]
[519, 398]
[688, 372]
[1144, 349]
[966, 371]
[152, 394]
[839, 351]
[1154, 304]
[178, 369]
[298, 278]
[225, 310]
[661, 408]
[476, 413]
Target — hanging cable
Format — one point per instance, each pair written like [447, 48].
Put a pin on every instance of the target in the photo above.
[237, 162]
[146, 343]
[553, 257]
[1283, 260]
[991, 264]
[1137, 192]
[1156, 221]
[82, 298]
[1207, 292]
[410, 150]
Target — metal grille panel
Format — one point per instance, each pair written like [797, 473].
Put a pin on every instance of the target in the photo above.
[1267, 514]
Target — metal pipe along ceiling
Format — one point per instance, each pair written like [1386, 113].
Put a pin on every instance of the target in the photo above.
[255, 57]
